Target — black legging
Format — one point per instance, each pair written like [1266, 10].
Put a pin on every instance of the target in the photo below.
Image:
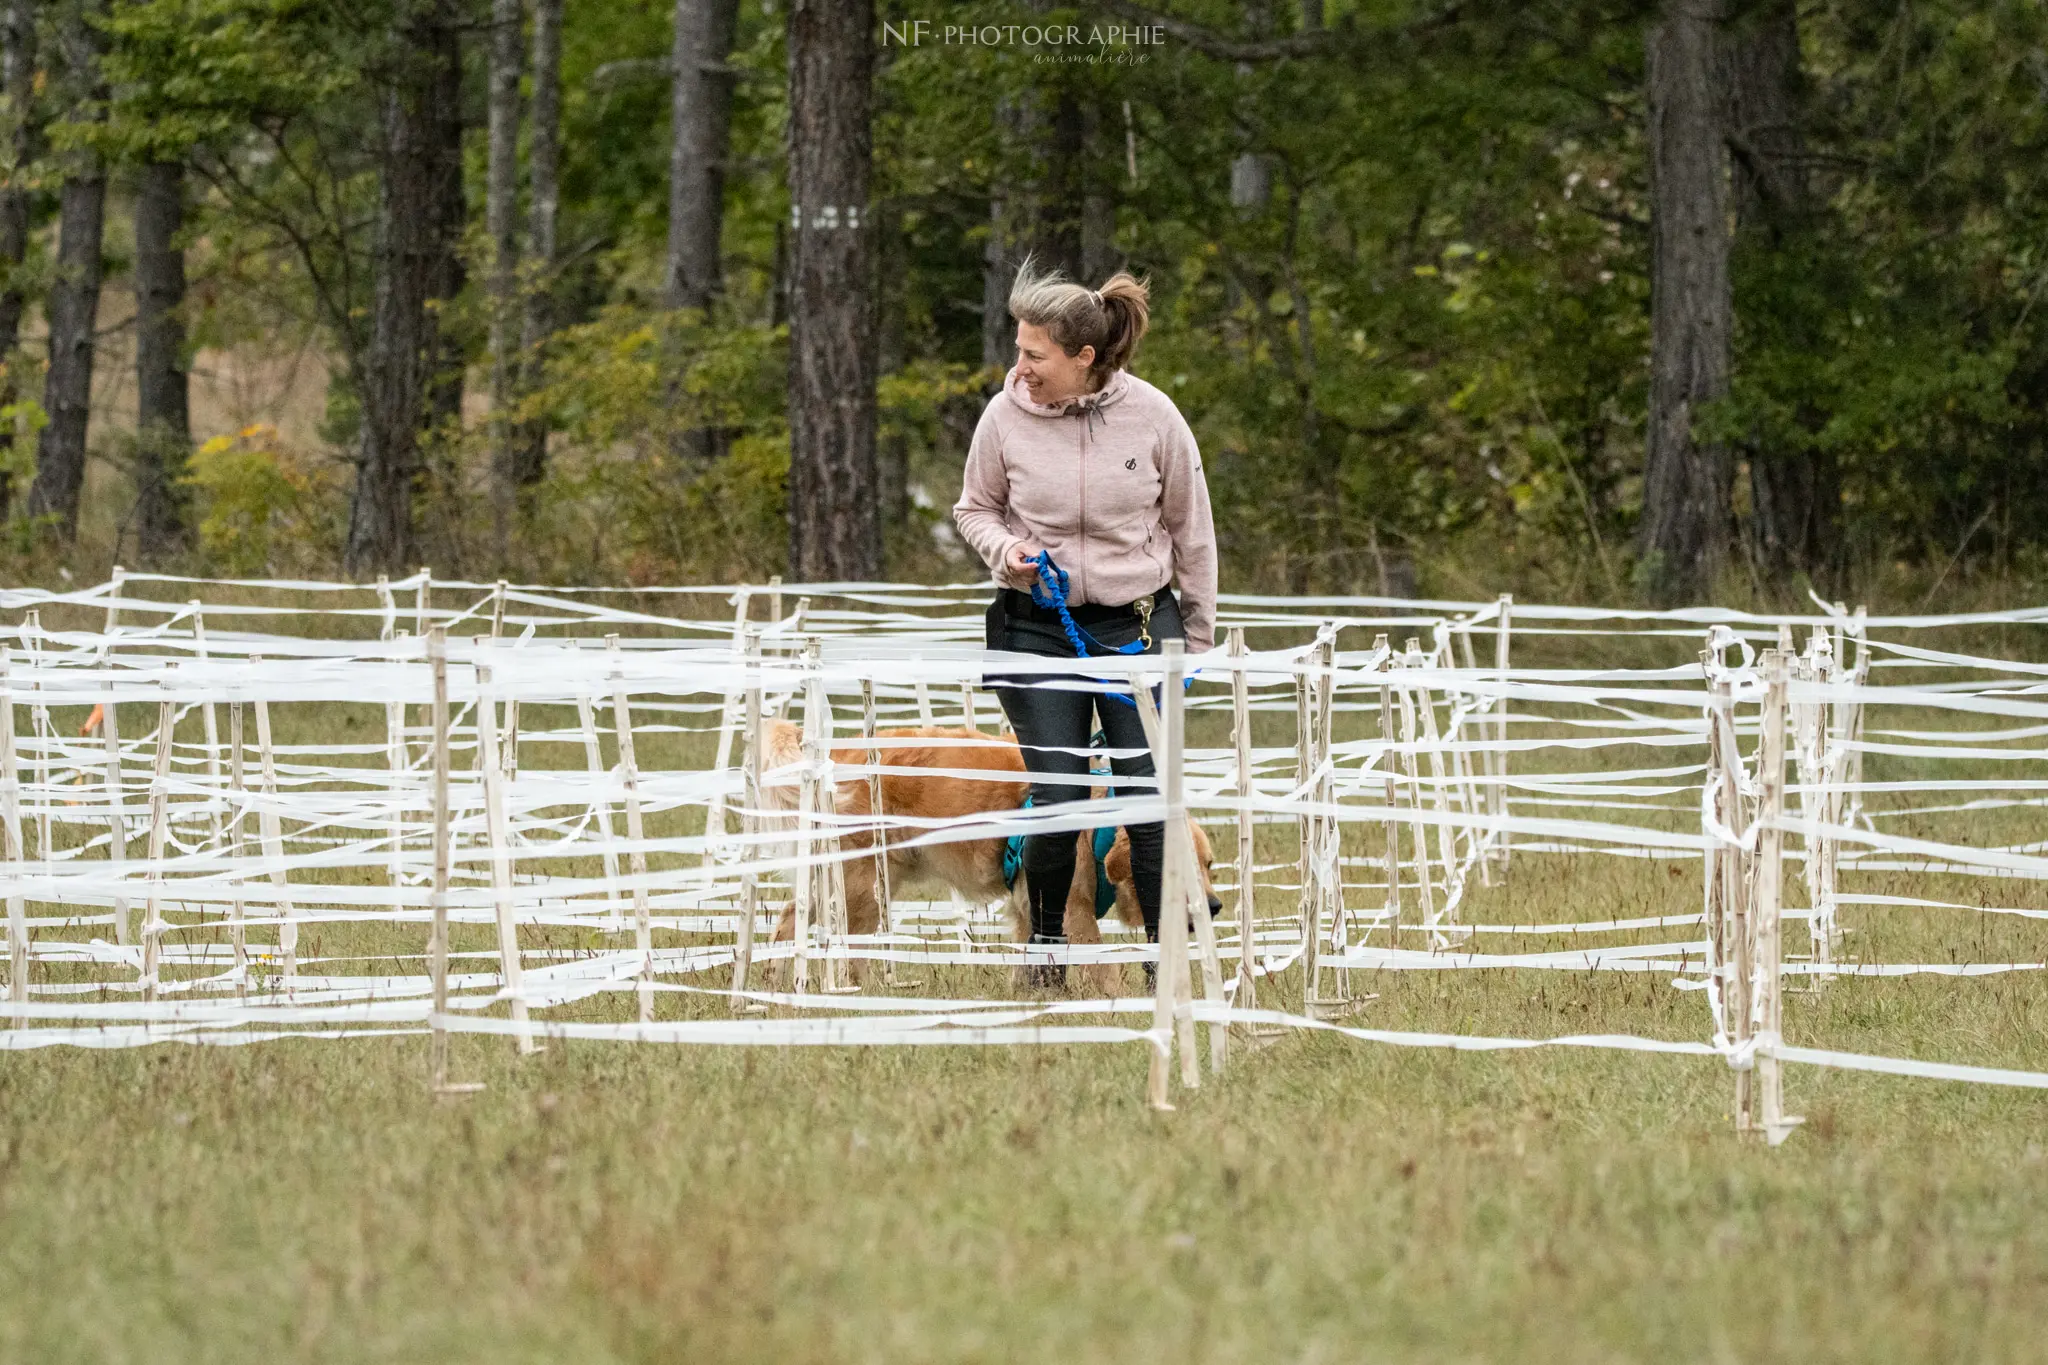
[1054, 725]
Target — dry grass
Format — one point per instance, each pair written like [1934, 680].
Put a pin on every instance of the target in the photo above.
[1326, 1201]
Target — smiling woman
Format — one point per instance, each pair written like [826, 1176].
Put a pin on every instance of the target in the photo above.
[1081, 467]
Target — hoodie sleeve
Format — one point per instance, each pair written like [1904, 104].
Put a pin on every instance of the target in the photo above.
[982, 514]
[1185, 512]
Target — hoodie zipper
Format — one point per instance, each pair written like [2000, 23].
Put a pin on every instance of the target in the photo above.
[1083, 577]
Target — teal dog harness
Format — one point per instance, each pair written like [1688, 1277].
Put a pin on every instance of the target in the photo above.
[1104, 840]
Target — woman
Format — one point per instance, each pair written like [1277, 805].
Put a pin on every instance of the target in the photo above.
[1080, 458]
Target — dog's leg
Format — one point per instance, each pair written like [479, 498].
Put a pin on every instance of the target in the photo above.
[1117, 867]
[1018, 904]
[776, 975]
[863, 907]
[1101, 978]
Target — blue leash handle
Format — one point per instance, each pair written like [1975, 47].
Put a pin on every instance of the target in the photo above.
[1050, 593]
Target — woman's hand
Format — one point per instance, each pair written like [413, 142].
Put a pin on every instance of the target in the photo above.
[1018, 565]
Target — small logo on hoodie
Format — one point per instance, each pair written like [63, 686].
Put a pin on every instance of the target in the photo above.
[1131, 463]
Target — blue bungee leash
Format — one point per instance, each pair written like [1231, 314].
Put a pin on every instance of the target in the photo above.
[1049, 593]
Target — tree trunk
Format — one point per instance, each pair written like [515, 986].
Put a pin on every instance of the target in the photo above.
[544, 157]
[450, 270]
[1043, 210]
[1099, 255]
[892, 271]
[501, 223]
[1795, 493]
[1058, 189]
[75, 291]
[18, 148]
[998, 340]
[162, 388]
[834, 530]
[1251, 172]
[1766, 118]
[700, 118]
[413, 254]
[1686, 482]
[699, 134]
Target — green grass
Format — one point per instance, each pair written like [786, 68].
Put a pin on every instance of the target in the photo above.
[1326, 1200]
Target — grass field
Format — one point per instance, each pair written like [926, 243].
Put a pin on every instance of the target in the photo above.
[1327, 1200]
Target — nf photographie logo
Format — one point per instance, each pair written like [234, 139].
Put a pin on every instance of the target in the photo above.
[1103, 37]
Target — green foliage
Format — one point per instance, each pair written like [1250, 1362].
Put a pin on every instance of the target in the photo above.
[628, 491]
[20, 421]
[191, 72]
[262, 510]
[1426, 343]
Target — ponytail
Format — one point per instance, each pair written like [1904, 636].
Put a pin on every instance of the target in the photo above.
[1126, 309]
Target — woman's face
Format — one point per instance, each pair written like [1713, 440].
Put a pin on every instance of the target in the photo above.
[1048, 372]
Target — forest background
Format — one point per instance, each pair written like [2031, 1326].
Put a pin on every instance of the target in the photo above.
[1589, 299]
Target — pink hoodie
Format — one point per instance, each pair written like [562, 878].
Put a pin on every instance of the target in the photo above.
[1110, 482]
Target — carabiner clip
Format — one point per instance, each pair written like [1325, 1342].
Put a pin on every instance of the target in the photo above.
[1143, 606]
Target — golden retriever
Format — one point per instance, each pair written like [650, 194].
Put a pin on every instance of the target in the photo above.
[973, 867]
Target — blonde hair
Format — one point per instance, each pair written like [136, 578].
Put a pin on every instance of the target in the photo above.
[1111, 319]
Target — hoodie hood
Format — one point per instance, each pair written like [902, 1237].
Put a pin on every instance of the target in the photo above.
[1084, 405]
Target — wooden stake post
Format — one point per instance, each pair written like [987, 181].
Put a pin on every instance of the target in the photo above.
[601, 807]
[1305, 823]
[211, 722]
[1180, 899]
[499, 836]
[879, 838]
[117, 822]
[820, 726]
[444, 854]
[816, 887]
[1816, 759]
[1852, 725]
[45, 733]
[1418, 833]
[1727, 879]
[1246, 993]
[437, 940]
[1428, 733]
[238, 784]
[1473, 787]
[159, 831]
[629, 777]
[1392, 823]
[750, 764]
[1326, 923]
[17, 858]
[1499, 789]
[397, 753]
[1769, 1005]
[714, 814]
[271, 829]
[1446, 831]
